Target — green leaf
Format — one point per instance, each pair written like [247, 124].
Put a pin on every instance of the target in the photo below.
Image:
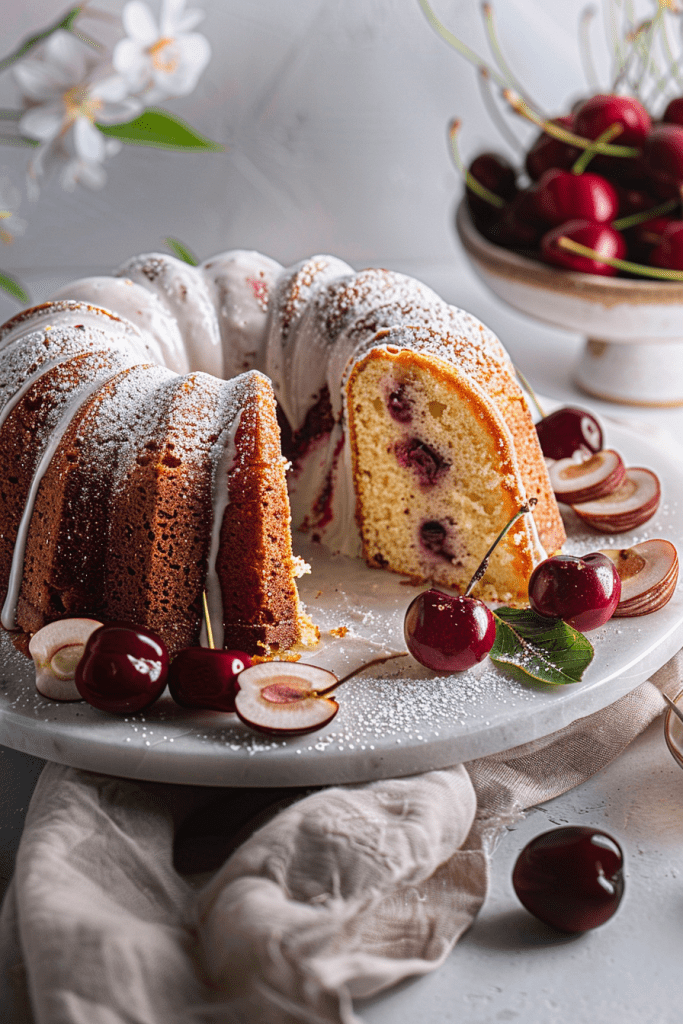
[160, 129]
[530, 646]
[8, 284]
[182, 251]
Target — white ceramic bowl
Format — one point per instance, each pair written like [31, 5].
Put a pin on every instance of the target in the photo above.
[633, 329]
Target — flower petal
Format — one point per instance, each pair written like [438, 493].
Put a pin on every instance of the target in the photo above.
[88, 141]
[111, 90]
[139, 23]
[67, 55]
[132, 61]
[189, 20]
[192, 54]
[43, 122]
[119, 113]
[38, 80]
[84, 172]
[171, 14]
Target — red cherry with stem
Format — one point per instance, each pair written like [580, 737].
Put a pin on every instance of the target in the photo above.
[563, 196]
[602, 238]
[495, 172]
[568, 430]
[548, 152]
[520, 226]
[571, 877]
[669, 252]
[123, 668]
[663, 157]
[596, 114]
[206, 677]
[674, 111]
[583, 591]
[446, 633]
[451, 634]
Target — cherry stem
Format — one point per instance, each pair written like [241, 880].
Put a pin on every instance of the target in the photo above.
[494, 112]
[487, 11]
[476, 186]
[588, 154]
[484, 564]
[660, 273]
[586, 50]
[357, 671]
[207, 620]
[530, 392]
[639, 218]
[462, 49]
[558, 132]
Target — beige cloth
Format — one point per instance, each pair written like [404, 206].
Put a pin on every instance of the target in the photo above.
[340, 894]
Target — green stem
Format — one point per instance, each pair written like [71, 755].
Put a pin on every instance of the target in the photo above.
[660, 273]
[66, 23]
[484, 564]
[476, 186]
[461, 48]
[586, 50]
[558, 132]
[588, 154]
[640, 218]
[496, 50]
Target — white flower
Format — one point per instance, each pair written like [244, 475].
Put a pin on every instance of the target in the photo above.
[65, 97]
[161, 61]
[10, 199]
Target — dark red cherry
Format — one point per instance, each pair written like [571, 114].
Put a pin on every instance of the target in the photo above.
[446, 633]
[571, 877]
[568, 430]
[674, 111]
[663, 157]
[206, 677]
[669, 252]
[520, 226]
[596, 114]
[563, 196]
[547, 152]
[583, 591]
[602, 238]
[123, 668]
[495, 172]
[424, 461]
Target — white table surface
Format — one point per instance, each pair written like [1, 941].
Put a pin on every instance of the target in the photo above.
[508, 967]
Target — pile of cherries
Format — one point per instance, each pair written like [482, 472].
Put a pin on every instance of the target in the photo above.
[596, 201]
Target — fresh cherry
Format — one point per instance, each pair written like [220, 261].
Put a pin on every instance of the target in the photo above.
[448, 634]
[548, 152]
[669, 252]
[563, 196]
[123, 668]
[674, 111]
[600, 237]
[598, 113]
[570, 878]
[206, 677]
[663, 157]
[568, 430]
[520, 226]
[584, 591]
[496, 173]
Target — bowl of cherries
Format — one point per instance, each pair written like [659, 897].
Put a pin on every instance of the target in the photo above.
[544, 247]
[584, 231]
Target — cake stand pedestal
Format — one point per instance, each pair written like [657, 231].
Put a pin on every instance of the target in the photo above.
[647, 372]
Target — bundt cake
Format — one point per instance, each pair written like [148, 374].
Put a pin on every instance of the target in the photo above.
[142, 462]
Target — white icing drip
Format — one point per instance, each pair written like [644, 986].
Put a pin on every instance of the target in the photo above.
[8, 616]
[15, 398]
[223, 455]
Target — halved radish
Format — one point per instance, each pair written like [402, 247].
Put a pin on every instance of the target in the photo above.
[575, 482]
[634, 501]
[648, 573]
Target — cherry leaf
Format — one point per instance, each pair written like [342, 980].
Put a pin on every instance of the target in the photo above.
[182, 251]
[530, 646]
[155, 127]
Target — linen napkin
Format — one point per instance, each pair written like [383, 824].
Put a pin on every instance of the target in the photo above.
[336, 894]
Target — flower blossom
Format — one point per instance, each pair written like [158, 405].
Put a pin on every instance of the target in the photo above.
[65, 97]
[10, 198]
[161, 61]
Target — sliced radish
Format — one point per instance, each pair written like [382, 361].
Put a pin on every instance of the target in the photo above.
[282, 698]
[634, 501]
[575, 482]
[56, 650]
[648, 572]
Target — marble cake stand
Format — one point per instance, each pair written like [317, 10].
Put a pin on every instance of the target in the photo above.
[397, 720]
